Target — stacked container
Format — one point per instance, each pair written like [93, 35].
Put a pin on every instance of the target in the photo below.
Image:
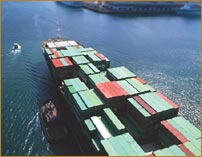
[119, 73]
[71, 52]
[52, 53]
[108, 135]
[190, 148]
[72, 43]
[169, 151]
[86, 104]
[142, 112]
[140, 85]
[121, 111]
[177, 131]
[104, 125]
[85, 50]
[133, 86]
[122, 145]
[78, 60]
[87, 69]
[100, 61]
[97, 78]
[72, 86]
[63, 68]
[112, 93]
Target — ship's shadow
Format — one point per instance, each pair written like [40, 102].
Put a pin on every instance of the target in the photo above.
[46, 89]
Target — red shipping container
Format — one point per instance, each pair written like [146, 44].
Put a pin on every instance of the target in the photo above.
[140, 80]
[58, 63]
[144, 105]
[100, 56]
[185, 150]
[54, 52]
[77, 46]
[68, 61]
[111, 90]
[174, 131]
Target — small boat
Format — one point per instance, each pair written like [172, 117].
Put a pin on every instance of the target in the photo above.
[16, 47]
[54, 130]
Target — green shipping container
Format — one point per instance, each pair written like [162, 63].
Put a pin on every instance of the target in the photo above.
[137, 85]
[96, 144]
[71, 52]
[72, 86]
[138, 108]
[87, 69]
[119, 73]
[82, 50]
[76, 84]
[97, 78]
[114, 121]
[80, 60]
[90, 125]
[195, 132]
[88, 103]
[128, 88]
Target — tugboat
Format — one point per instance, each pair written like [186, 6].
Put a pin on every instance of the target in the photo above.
[54, 130]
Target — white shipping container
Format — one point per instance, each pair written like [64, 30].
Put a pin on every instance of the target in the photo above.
[51, 45]
[101, 127]
[72, 43]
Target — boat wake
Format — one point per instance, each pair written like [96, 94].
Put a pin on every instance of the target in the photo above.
[12, 52]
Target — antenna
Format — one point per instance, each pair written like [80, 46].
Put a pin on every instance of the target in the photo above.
[58, 30]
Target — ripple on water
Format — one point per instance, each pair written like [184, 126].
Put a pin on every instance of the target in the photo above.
[179, 90]
[26, 80]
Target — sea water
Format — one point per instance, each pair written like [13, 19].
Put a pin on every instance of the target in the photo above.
[163, 50]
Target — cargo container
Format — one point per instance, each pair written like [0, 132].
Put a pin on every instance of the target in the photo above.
[87, 69]
[87, 103]
[178, 130]
[63, 68]
[112, 92]
[71, 86]
[119, 73]
[104, 125]
[100, 61]
[115, 111]
[122, 145]
[190, 148]
[97, 78]
[78, 60]
[71, 51]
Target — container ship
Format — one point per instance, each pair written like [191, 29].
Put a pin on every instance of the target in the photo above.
[115, 111]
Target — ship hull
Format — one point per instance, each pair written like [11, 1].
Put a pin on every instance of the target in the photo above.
[73, 4]
[188, 12]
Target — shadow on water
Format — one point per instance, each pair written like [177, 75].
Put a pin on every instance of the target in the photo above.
[68, 147]
[47, 90]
